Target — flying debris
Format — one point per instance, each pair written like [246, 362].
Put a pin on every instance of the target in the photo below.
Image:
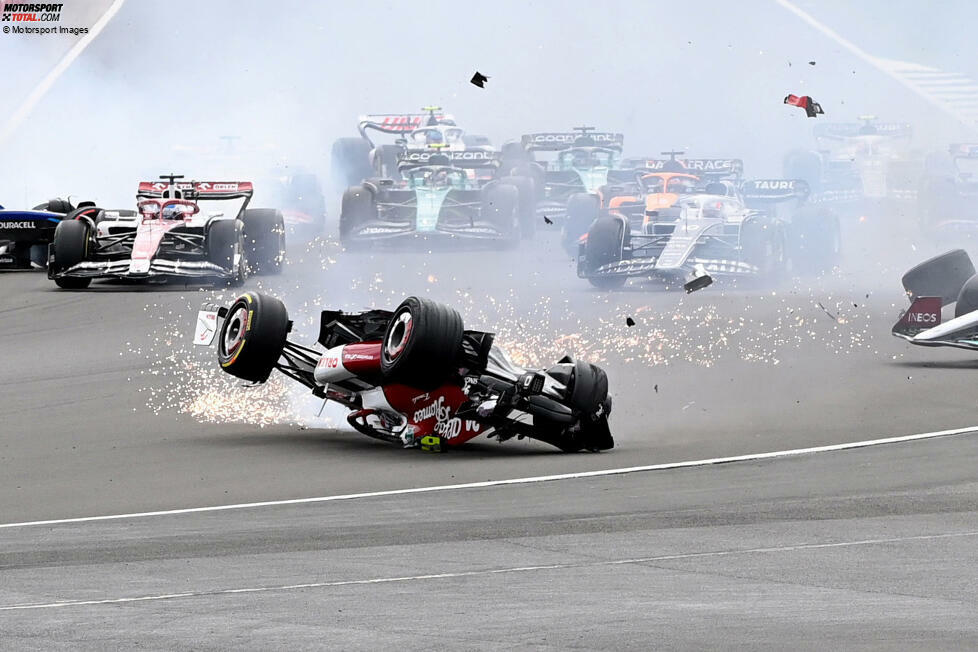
[547, 220]
[478, 79]
[812, 108]
[629, 322]
[811, 63]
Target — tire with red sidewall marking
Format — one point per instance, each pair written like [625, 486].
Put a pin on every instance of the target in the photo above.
[252, 336]
[422, 344]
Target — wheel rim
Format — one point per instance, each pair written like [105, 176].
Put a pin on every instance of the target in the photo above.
[399, 335]
[235, 331]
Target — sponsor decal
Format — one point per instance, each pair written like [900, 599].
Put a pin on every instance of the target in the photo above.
[922, 317]
[447, 426]
[23, 224]
[774, 185]
[328, 362]
[6, 260]
[468, 155]
[359, 356]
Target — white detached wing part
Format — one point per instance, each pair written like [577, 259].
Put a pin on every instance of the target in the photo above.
[921, 325]
[208, 323]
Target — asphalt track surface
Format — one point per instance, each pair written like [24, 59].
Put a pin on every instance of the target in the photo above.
[864, 548]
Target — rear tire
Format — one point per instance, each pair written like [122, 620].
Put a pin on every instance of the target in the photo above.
[350, 161]
[62, 206]
[422, 344]
[71, 241]
[357, 209]
[264, 238]
[500, 206]
[224, 240]
[941, 276]
[967, 298]
[252, 336]
[527, 204]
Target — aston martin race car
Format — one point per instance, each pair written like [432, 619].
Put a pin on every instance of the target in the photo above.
[25, 235]
[717, 231]
[441, 195]
[567, 180]
[414, 376]
[855, 161]
[356, 159]
[933, 284]
[167, 236]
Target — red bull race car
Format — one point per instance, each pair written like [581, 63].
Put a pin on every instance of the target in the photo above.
[414, 376]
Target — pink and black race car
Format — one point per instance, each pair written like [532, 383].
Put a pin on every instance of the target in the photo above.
[169, 236]
[414, 376]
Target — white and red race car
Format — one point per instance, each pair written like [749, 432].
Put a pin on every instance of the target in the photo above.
[169, 236]
[414, 376]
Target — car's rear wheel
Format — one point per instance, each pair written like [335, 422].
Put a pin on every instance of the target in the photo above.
[357, 209]
[264, 238]
[422, 344]
[225, 243]
[605, 245]
[350, 161]
[252, 336]
[582, 210]
[500, 207]
[71, 242]
[527, 204]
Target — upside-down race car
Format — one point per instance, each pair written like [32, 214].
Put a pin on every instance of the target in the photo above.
[168, 237]
[933, 284]
[25, 235]
[414, 376]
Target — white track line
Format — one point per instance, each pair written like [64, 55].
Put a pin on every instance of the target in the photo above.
[476, 573]
[41, 89]
[497, 483]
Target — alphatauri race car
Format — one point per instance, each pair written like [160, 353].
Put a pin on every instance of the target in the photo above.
[25, 235]
[356, 159]
[414, 376]
[441, 195]
[719, 230]
[167, 236]
[932, 285]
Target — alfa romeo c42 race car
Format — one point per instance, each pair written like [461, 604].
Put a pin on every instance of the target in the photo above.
[706, 231]
[933, 284]
[442, 195]
[167, 236]
[414, 376]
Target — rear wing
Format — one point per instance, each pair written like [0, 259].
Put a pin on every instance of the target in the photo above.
[471, 158]
[400, 123]
[845, 130]
[757, 191]
[702, 167]
[557, 141]
[197, 189]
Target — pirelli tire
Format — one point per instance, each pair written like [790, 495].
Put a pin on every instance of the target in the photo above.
[356, 209]
[764, 245]
[422, 344]
[605, 244]
[264, 239]
[583, 209]
[225, 248]
[72, 239]
[57, 205]
[527, 203]
[941, 276]
[252, 336]
[500, 207]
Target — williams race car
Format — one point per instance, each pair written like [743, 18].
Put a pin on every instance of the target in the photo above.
[168, 237]
[716, 231]
[414, 376]
[933, 284]
[441, 195]
[25, 235]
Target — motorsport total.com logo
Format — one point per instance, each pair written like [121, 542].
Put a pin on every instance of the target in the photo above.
[20, 12]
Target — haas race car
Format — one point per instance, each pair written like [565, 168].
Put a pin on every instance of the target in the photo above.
[933, 284]
[414, 376]
[168, 236]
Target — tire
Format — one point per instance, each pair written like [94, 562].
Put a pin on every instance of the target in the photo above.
[224, 240]
[582, 210]
[941, 276]
[264, 237]
[500, 206]
[252, 336]
[762, 244]
[512, 155]
[605, 244]
[422, 344]
[967, 298]
[385, 162]
[815, 240]
[350, 161]
[527, 204]
[71, 242]
[62, 206]
[534, 171]
[357, 209]
[589, 387]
